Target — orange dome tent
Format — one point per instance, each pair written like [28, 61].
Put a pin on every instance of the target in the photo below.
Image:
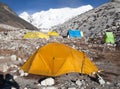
[55, 59]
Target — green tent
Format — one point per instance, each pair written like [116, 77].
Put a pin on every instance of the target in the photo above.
[109, 37]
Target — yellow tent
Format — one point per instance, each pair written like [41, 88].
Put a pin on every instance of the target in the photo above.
[52, 33]
[55, 59]
[35, 35]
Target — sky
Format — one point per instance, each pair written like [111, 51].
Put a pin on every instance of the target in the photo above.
[32, 6]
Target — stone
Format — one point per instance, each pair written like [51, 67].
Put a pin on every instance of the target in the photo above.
[25, 74]
[2, 57]
[78, 82]
[101, 80]
[5, 67]
[13, 88]
[117, 84]
[108, 83]
[92, 87]
[73, 46]
[13, 57]
[48, 81]
[21, 72]
[25, 88]
[50, 87]
[12, 65]
[14, 77]
[38, 84]
[13, 71]
[71, 87]
[19, 59]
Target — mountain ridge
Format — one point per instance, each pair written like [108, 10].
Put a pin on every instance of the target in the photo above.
[8, 17]
[52, 17]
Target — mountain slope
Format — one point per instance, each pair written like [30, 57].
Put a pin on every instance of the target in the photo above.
[8, 17]
[52, 17]
[95, 22]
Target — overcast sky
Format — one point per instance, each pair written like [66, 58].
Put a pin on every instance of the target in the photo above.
[32, 6]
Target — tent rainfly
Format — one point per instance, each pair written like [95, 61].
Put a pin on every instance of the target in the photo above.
[109, 37]
[55, 59]
[52, 33]
[74, 33]
[35, 35]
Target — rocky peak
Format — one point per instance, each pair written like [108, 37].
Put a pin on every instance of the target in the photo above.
[9, 17]
[5, 7]
[115, 1]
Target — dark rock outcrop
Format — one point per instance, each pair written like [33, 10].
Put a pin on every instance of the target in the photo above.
[8, 17]
[115, 1]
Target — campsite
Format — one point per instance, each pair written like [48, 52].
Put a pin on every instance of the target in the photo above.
[103, 57]
[81, 53]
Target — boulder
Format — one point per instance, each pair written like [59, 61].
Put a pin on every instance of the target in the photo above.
[50, 87]
[101, 80]
[13, 57]
[78, 82]
[48, 82]
[5, 68]
[21, 72]
[13, 88]
[72, 88]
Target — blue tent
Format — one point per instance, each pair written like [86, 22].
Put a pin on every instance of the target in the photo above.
[74, 33]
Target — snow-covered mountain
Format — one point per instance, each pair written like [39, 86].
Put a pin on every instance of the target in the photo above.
[52, 17]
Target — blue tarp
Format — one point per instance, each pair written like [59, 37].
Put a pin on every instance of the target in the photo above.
[74, 33]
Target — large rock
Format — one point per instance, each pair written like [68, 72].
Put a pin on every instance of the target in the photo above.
[72, 88]
[101, 80]
[48, 82]
[13, 57]
[5, 67]
[78, 82]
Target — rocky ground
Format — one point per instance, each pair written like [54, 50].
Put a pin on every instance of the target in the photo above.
[14, 50]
